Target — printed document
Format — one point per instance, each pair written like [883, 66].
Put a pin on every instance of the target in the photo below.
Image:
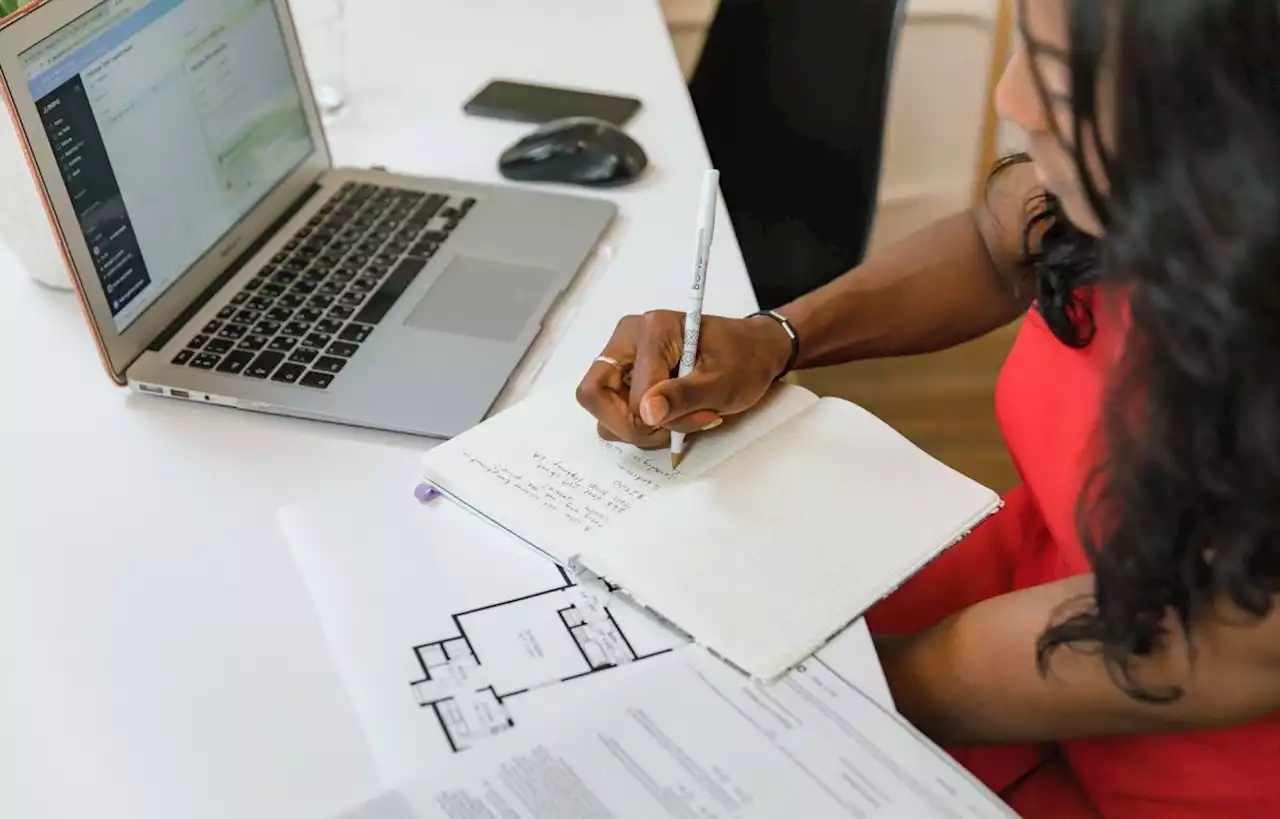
[686, 737]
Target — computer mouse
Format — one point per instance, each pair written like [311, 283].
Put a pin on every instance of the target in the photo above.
[576, 151]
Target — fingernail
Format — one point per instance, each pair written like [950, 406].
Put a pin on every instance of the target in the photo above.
[653, 410]
[713, 425]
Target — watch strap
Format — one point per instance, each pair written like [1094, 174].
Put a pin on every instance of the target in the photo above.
[790, 330]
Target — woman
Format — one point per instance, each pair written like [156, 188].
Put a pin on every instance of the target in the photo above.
[1109, 644]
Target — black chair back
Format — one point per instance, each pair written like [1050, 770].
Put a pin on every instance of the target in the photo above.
[792, 98]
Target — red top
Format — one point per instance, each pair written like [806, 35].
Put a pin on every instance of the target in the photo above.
[1048, 401]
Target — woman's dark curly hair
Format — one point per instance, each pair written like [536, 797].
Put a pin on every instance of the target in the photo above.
[1184, 509]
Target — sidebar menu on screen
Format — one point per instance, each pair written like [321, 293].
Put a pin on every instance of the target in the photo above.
[95, 194]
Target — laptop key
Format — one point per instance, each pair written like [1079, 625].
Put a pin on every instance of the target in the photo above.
[253, 342]
[279, 314]
[343, 349]
[271, 290]
[330, 365]
[352, 298]
[211, 328]
[267, 328]
[355, 332]
[304, 356]
[248, 316]
[328, 326]
[240, 298]
[183, 357]
[429, 208]
[254, 283]
[259, 303]
[391, 290]
[219, 346]
[226, 313]
[264, 365]
[282, 344]
[289, 373]
[197, 342]
[235, 332]
[290, 301]
[296, 328]
[235, 362]
[308, 314]
[317, 340]
[316, 380]
[205, 361]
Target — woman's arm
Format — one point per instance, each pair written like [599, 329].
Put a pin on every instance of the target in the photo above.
[973, 678]
[951, 282]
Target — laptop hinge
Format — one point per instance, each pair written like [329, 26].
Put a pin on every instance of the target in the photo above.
[232, 269]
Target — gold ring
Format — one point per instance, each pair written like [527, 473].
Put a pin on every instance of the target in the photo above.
[612, 362]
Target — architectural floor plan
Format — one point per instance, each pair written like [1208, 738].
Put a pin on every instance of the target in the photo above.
[447, 636]
[474, 678]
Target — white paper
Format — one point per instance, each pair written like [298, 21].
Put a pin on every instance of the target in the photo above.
[793, 538]
[687, 738]
[450, 634]
[541, 471]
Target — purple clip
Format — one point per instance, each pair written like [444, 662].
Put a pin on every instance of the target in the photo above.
[425, 493]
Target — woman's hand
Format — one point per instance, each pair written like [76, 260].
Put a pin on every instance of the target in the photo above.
[641, 403]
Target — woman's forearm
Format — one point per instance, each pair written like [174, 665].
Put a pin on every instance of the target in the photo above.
[973, 679]
[950, 282]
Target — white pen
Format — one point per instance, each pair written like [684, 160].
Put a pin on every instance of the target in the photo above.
[697, 292]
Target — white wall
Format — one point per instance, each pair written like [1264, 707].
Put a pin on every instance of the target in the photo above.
[936, 111]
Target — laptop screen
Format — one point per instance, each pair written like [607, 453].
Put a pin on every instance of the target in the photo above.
[170, 120]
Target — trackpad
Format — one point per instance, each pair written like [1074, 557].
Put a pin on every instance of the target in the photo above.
[483, 299]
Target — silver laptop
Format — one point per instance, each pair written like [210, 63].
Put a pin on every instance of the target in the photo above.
[220, 256]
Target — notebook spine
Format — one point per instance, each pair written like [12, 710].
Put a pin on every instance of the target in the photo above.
[581, 574]
[455, 498]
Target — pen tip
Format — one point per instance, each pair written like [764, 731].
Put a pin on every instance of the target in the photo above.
[676, 458]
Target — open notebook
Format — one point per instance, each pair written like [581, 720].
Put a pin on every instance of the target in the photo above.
[779, 529]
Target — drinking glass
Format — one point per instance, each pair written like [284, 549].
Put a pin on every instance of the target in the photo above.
[322, 32]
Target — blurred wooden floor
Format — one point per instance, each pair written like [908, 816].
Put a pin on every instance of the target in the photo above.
[943, 402]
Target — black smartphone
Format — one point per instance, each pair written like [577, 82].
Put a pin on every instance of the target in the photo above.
[525, 102]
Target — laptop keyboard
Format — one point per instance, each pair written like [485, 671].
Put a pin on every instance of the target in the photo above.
[304, 316]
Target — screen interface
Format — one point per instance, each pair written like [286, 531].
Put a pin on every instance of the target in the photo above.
[170, 120]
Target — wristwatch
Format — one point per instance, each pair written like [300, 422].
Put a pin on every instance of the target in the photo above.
[791, 334]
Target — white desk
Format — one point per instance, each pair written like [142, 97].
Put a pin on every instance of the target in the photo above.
[160, 657]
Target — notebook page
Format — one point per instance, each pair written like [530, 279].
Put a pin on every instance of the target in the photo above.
[541, 471]
[768, 558]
